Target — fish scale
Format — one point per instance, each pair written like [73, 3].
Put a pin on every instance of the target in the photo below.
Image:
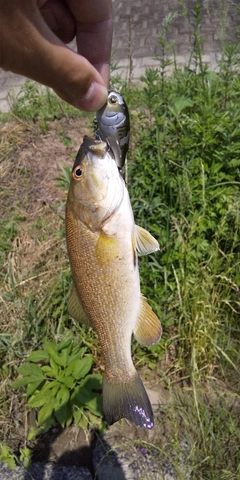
[110, 300]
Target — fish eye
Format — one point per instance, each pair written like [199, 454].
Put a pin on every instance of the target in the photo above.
[113, 99]
[77, 172]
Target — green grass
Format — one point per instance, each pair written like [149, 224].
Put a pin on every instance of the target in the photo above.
[184, 181]
[40, 105]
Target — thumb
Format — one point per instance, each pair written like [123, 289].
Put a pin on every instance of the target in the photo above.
[28, 47]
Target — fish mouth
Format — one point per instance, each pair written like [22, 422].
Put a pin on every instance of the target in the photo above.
[97, 148]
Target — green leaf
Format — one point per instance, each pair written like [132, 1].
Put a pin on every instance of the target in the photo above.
[95, 405]
[76, 354]
[21, 382]
[83, 368]
[70, 419]
[55, 390]
[7, 457]
[49, 389]
[32, 387]
[83, 422]
[74, 368]
[64, 414]
[25, 457]
[39, 399]
[70, 368]
[54, 366]
[180, 103]
[31, 374]
[65, 343]
[50, 385]
[68, 381]
[77, 414]
[86, 391]
[32, 433]
[46, 412]
[59, 359]
[81, 396]
[31, 370]
[63, 395]
[93, 419]
[64, 355]
[38, 356]
[86, 394]
[49, 371]
[92, 382]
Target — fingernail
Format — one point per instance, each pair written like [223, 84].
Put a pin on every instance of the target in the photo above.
[94, 99]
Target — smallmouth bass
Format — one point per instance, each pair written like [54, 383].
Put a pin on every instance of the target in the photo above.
[102, 242]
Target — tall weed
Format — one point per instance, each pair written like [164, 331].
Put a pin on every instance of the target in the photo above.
[184, 185]
[40, 105]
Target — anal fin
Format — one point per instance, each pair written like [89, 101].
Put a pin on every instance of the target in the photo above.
[75, 308]
[148, 329]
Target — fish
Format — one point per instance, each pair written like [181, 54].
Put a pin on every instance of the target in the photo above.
[113, 126]
[102, 243]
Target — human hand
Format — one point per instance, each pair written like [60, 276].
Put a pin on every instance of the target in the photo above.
[33, 34]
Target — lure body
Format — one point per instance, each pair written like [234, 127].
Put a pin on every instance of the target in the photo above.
[113, 126]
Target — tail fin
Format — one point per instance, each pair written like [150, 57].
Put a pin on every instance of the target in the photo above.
[127, 399]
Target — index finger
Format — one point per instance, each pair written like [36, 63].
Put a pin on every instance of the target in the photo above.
[94, 28]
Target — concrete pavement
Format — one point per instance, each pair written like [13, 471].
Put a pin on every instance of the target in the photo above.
[137, 26]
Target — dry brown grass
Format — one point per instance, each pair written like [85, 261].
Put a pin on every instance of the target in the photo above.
[33, 256]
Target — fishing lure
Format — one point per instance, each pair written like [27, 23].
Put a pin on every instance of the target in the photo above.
[113, 126]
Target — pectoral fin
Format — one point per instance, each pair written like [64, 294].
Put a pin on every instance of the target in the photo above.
[148, 329]
[75, 308]
[145, 242]
[107, 248]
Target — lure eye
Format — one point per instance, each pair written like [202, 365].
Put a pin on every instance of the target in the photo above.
[77, 172]
[113, 100]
